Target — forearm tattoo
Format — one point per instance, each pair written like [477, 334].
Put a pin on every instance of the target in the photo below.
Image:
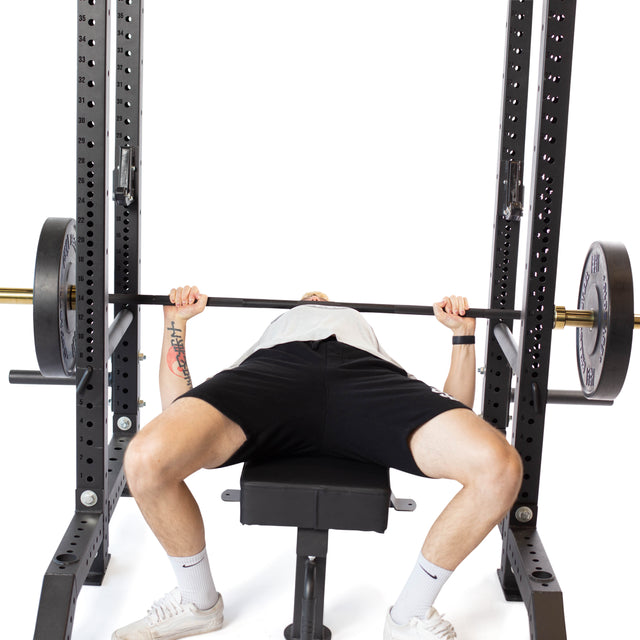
[176, 356]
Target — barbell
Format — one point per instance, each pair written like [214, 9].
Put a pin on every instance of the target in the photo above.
[604, 319]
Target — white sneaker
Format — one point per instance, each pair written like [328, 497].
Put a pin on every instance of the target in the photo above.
[432, 627]
[169, 619]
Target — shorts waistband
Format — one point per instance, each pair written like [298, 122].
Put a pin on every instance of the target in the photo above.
[315, 344]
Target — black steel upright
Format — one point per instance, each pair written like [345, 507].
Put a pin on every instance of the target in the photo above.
[526, 571]
[83, 552]
[128, 120]
[504, 270]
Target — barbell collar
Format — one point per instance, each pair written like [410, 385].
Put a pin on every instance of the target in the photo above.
[573, 318]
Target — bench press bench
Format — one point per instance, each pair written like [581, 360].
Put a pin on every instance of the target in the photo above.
[314, 494]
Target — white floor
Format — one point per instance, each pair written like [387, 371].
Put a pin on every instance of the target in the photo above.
[254, 566]
[254, 569]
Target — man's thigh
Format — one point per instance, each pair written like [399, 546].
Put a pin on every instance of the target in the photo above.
[458, 445]
[189, 435]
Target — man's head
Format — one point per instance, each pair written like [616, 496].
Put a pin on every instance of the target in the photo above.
[315, 296]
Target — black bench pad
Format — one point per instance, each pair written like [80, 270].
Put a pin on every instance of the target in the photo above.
[315, 493]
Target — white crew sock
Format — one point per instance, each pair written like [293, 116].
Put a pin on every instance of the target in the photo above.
[420, 592]
[194, 580]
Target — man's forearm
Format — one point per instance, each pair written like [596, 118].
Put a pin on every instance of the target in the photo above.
[461, 381]
[175, 378]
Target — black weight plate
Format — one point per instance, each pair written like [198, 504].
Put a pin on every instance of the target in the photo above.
[54, 321]
[604, 350]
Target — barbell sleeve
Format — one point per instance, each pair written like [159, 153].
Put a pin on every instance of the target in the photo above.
[16, 296]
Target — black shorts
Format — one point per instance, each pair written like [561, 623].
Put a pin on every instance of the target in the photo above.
[324, 397]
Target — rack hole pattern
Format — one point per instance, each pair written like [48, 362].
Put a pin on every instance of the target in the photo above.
[128, 114]
[507, 232]
[91, 275]
[546, 208]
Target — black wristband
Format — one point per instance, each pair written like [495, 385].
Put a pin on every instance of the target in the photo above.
[463, 340]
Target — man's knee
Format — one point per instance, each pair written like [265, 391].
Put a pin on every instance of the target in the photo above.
[459, 445]
[146, 464]
[499, 471]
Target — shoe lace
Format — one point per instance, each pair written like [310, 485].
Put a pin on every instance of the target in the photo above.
[166, 607]
[438, 626]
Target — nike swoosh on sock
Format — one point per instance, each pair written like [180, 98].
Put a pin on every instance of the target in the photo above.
[429, 574]
[188, 566]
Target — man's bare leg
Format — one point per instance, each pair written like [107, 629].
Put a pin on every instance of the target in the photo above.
[189, 435]
[457, 445]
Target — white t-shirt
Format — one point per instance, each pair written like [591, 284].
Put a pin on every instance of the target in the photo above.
[317, 322]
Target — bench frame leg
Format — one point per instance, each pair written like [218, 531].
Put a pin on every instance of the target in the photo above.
[308, 608]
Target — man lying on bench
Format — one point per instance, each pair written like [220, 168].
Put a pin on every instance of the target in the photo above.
[317, 382]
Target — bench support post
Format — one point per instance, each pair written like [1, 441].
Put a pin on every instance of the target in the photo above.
[308, 609]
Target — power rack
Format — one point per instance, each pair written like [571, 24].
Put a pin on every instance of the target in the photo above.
[82, 556]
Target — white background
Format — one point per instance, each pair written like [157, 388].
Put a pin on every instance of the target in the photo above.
[347, 146]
